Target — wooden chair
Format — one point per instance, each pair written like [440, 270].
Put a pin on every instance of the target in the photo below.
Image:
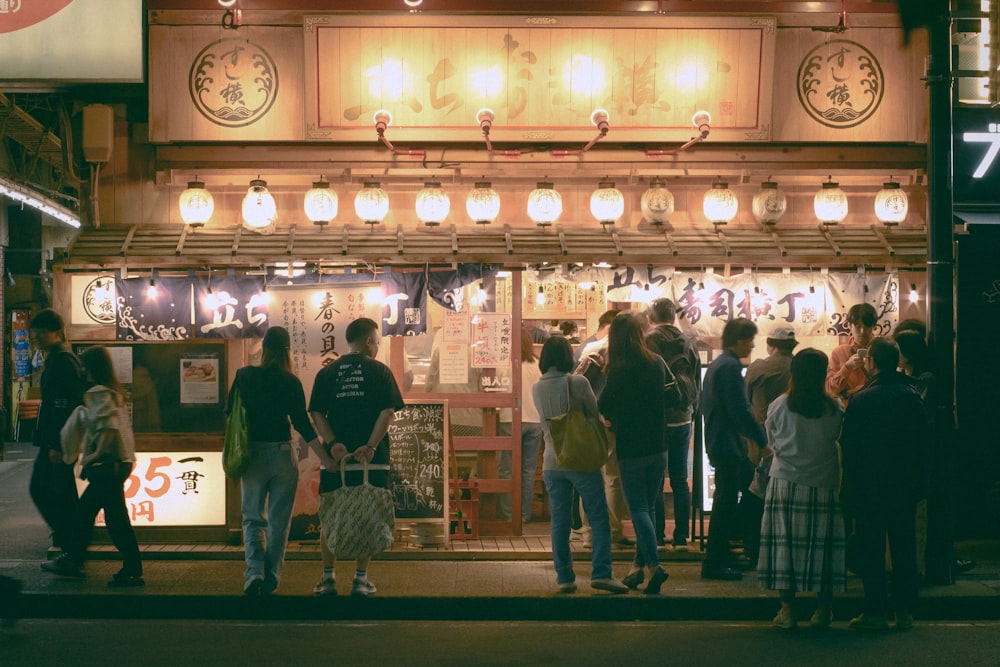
[26, 409]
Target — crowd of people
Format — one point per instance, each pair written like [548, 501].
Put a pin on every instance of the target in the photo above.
[819, 462]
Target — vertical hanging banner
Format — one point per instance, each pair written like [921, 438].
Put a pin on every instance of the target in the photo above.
[848, 289]
[144, 314]
[230, 307]
[404, 304]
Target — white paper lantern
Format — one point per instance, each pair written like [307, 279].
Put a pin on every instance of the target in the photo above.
[607, 204]
[197, 204]
[433, 204]
[830, 204]
[321, 203]
[891, 204]
[259, 210]
[657, 203]
[483, 203]
[720, 204]
[544, 204]
[769, 204]
[372, 203]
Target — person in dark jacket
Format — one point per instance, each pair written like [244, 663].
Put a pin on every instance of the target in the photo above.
[679, 352]
[885, 445]
[52, 486]
[632, 402]
[728, 419]
[272, 396]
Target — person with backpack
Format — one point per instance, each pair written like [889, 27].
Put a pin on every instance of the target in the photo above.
[681, 357]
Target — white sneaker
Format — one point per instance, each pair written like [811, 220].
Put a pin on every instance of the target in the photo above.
[362, 587]
[325, 587]
[611, 585]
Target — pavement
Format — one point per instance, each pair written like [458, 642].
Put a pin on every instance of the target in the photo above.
[494, 580]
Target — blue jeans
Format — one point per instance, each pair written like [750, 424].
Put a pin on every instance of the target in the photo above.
[270, 481]
[642, 482]
[531, 443]
[678, 443]
[590, 485]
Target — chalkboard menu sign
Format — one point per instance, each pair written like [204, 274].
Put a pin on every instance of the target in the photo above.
[419, 468]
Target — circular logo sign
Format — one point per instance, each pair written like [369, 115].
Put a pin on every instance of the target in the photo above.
[19, 14]
[233, 82]
[99, 300]
[840, 83]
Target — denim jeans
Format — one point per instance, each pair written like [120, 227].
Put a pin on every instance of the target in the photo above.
[678, 444]
[590, 485]
[531, 443]
[270, 481]
[642, 482]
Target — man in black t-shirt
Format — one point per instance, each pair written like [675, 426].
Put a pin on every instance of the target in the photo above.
[352, 404]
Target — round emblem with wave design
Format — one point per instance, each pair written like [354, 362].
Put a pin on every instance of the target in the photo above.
[840, 83]
[233, 82]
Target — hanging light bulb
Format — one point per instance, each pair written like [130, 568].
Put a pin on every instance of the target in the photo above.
[657, 203]
[259, 210]
[321, 203]
[372, 203]
[914, 294]
[769, 204]
[433, 204]
[607, 204]
[196, 204]
[540, 297]
[830, 203]
[483, 203]
[151, 290]
[891, 204]
[544, 204]
[720, 204]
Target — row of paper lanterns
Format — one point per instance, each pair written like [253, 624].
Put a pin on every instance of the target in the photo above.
[482, 204]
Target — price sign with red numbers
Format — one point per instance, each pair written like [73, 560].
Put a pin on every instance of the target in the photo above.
[174, 489]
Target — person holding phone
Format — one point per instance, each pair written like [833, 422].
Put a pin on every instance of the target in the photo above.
[847, 374]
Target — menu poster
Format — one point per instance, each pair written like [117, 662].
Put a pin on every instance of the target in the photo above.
[491, 345]
[199, 379]
[454, 358]
[456, 327]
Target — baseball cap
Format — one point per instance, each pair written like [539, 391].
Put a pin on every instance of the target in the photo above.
[782, 333]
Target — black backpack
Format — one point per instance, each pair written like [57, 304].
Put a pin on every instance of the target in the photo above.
[680, 390]
[591, 366]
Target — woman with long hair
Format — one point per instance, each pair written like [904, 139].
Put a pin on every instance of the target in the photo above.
[555, 394]
[633, 403]
[802, 532]
[108, 458]
[273, 399]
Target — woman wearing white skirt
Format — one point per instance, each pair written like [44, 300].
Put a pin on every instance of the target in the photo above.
[802, 533]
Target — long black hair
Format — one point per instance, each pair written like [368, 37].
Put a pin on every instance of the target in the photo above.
[275, 349]
[97, 364]
[627, 344]
[807, 388]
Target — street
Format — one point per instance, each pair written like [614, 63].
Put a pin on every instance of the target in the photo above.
[116, 642]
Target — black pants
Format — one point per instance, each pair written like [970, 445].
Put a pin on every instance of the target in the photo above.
[725, 505]
[107, 492]
[53, 490]
[899, 525]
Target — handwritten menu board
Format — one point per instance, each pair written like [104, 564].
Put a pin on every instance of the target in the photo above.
[419, 468]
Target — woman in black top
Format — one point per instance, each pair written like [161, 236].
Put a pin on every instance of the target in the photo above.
[633, 403]
[271, 396]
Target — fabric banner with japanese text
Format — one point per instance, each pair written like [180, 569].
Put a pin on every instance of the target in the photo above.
[404, 303]
[848, 289]
[161, 311]
[230, 307]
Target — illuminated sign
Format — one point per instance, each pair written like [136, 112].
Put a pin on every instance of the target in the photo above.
[976, 146]
[174, 489]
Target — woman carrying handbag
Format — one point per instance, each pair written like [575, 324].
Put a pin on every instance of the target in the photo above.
[273, 398]
[108, 458]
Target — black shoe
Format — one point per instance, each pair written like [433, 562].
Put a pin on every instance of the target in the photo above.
[962, 566]
[625, 542]
[64, 566]
[656, 581]
[253, 589]
[123, 580]
[743, 563]
[633, 579]
[721, 573]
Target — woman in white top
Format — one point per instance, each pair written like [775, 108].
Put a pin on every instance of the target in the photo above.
[802, 533]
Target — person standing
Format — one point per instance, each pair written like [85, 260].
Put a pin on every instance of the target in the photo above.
[728, 419]
[108, 459]
[682, 358]
[352, 404]
[885, 443]
[633, 403]
[52, 487]
[555, 393]
[846, 374]
[272, 397]
[802, 536]
[766, 380]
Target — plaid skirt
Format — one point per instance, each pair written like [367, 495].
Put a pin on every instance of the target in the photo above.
[801, 539]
